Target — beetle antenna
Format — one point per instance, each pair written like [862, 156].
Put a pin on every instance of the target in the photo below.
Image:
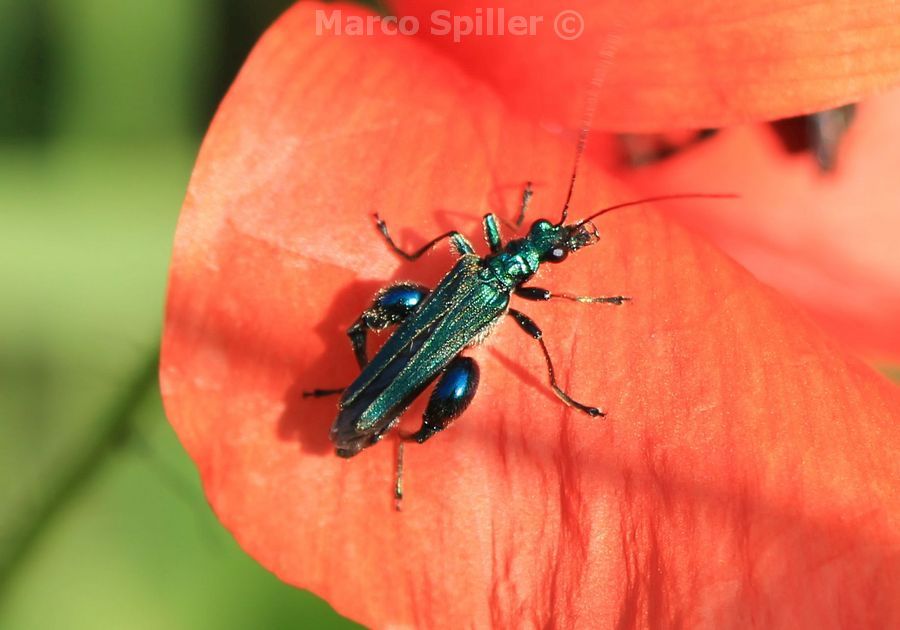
[605, 58]
[637, 202]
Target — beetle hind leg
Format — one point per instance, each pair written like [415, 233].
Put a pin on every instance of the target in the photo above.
[391, 306]
[453, 393]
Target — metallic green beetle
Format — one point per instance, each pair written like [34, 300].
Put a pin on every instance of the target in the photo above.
[434, 327]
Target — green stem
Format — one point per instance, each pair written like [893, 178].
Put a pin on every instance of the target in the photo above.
[114, 427]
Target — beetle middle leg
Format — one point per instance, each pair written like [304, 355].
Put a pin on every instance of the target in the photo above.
[527, 324]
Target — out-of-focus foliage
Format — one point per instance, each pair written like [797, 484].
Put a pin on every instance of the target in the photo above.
[102, 108]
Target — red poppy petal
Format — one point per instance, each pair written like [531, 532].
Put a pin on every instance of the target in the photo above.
[747, 470]
[677, 64]
[829, 241]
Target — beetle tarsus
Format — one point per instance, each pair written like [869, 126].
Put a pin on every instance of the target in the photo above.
[398, 480]
[320, 393]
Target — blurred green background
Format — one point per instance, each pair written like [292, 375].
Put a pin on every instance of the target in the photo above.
[103, 523]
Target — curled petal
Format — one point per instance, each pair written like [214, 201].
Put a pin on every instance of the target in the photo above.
[674, 64]
[747, 469]
[827, 240]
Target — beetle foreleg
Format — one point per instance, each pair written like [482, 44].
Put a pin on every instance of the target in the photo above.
[495, 243]
[492, 232]
[450, 397]
[536, 294]
[526, 197]
[391, 306]
[528, 325]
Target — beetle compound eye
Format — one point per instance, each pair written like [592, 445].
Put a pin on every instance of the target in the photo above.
[557, 254]
[541, 225]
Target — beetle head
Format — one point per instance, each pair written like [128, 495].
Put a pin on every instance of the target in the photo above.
[555, 242]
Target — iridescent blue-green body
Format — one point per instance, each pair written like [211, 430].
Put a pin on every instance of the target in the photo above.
[434, 328]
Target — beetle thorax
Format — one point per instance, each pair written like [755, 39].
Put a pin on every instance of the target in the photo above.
[515, 264]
